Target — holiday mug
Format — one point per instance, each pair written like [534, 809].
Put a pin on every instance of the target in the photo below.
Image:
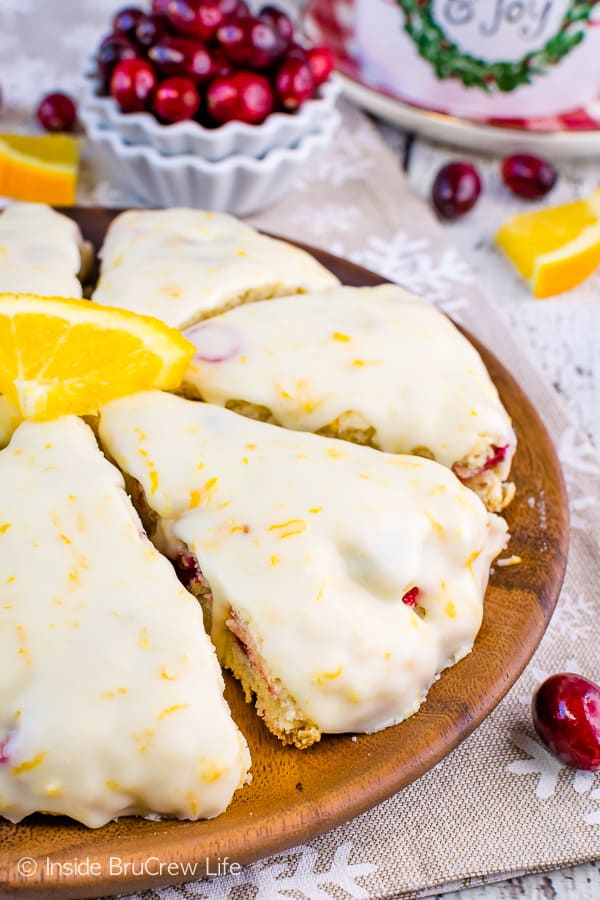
[481, 59]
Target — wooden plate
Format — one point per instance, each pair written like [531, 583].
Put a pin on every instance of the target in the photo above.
[298, 794]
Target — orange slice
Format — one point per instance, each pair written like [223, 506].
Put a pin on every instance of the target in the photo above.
[71, 356]
[557, 248]
[39, 168]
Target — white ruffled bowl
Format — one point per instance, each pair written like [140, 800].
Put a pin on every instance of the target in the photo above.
[238, 184]
[278, 130]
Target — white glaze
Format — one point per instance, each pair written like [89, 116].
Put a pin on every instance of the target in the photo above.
[381, 352]
[39, 251]
[183, 264]
[313, 542]
[110, 692]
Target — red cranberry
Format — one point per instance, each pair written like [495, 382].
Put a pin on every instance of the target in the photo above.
[279, 20]
[113, 49]
[4, 754]
[320, 60]
[250, 42]
[176, 99]
[296, 51]
[410, 597]
[200, 18]
[150, 29]
[182, 56]
[57, 112]
[160, 7]
[528, 176]
[294, 82]
[188, 570]
[132, 83]
[242, 9]
[245, 96]
[126, 20]
[455, 190]
[221, 64]
[497, 455]
[566, 716]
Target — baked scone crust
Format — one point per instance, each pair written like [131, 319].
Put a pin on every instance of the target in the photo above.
[111, 695]
[337, 581]
[184, 265]
[376, 366]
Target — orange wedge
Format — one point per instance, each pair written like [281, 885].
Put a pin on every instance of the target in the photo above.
[39, 168]
[557, 248]
[71, 356]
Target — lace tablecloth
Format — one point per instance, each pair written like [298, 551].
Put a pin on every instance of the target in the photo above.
[500, 805]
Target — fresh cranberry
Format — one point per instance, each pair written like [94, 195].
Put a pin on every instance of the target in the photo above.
[528, 176]
[566, 716]
[410, 597]
[200, 18]
[279, 20]
[242, 9]
[132, 83]
[296, 51]
[150, 29]
[182, 56]
[294, 82]
[113, 49]
[456, 189]
[126, 20]
[221, 64]
[497, 455]
[176, 99]
[251, 43]
[160, 7]
[245, 96]
[4, 754]
[57, 112]
[320, 60]
[188, 570]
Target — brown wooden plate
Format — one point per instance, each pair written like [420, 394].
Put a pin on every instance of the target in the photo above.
[298, 794]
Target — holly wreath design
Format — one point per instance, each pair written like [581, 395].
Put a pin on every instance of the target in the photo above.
[449, 62]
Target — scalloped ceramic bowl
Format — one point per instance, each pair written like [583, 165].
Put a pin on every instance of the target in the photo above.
[238, 184]
[278, 130]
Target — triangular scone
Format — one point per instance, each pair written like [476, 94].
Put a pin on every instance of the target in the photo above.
[40, 251]
[111, 697]
[377, 366]
[182, 265]
[337, 580]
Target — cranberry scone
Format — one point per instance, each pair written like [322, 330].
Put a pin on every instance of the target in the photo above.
[337, 581]
[376, 366]
[41, 251]
[111, 696]
[183, 265]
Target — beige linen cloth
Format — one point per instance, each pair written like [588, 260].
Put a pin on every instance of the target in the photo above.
[499, 805]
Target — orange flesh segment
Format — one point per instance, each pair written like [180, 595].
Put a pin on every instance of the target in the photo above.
[39, 168]
[62, 356]
[555, 249]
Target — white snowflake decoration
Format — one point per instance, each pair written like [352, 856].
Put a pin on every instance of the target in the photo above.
[413, 263]
[548, 768]
[281, 877]
[573, 617]
[575, 452]
[327, 218]
[350, 160]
